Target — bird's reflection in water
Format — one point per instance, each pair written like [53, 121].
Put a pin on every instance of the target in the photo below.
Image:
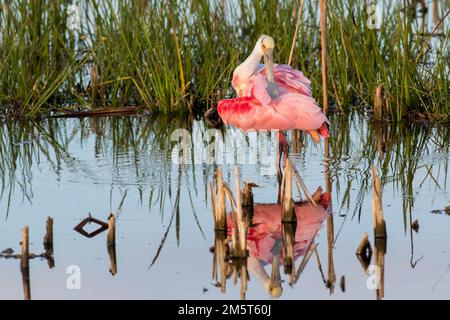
[266, 242]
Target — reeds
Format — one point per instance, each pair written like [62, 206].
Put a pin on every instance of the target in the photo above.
[230, 253]
[175, 57]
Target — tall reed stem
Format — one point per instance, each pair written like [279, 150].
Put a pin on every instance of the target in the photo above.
[323, 31]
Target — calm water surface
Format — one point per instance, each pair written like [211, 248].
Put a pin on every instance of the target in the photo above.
[68, 168]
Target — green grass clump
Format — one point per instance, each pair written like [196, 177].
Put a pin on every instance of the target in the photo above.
[178, 56]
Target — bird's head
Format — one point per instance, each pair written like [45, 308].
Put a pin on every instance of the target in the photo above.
[266, 45]
[273, 285]
[274, 289]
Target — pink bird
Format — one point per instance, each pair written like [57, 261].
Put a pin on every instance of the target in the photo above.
[265, 237]
[272, 97]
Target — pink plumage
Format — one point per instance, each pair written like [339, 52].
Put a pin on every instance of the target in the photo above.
[268, 227]
[255, 108]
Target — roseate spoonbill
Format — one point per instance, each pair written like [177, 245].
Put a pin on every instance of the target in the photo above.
[265, 238]
[272, 97]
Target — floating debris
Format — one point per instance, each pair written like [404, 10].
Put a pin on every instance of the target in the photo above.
[7, 251]
[103, 226]
[377, 206]
[446, 210]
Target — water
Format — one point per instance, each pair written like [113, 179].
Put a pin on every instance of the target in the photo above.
[68, 168]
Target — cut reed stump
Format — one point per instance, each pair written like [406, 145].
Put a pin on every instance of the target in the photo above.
[377, 206]
[288, 214]
[288, 244]
[241, 249]
[112, 259]
[219, 205]
[48, 238]
[111, 230]
[25, 264]
[380, 252]
[379, 103]
[111, 244]
[220, 256]
[247, 202]
[48, 243]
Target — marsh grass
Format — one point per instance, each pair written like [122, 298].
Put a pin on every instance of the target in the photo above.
[401, 153]
[178, 56]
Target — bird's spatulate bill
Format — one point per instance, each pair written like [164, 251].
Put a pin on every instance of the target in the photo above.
[272, 88]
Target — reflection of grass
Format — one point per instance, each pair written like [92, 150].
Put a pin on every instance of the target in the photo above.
[401, 152]
[174, 56]
[149, 177]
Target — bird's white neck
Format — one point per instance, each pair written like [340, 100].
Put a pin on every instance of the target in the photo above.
[258, 271]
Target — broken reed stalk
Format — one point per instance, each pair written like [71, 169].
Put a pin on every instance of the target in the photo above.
[25, 264]
[219, 257]
[111, 230]
[48, 242]
[242, 232]
[380, 252]
[288, 214]
[377, 206]
[311, 249]
[330, 241]
[48, 238]
[247, 203]
[288, 243]
[112, 259]
[244, 280]
[323, 35]
[379, 103]
[111, 244]
[220, 214]
[296, 140]
[379, 141]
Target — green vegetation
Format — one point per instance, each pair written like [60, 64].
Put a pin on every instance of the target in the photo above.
[178, 56]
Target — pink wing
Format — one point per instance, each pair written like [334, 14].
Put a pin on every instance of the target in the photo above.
[289, 111]
[268, 227]
[289, 80]
[294, 109]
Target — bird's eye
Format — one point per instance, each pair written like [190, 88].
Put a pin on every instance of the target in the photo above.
[263, 46]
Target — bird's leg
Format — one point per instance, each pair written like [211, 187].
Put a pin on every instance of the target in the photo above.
[282, 149]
